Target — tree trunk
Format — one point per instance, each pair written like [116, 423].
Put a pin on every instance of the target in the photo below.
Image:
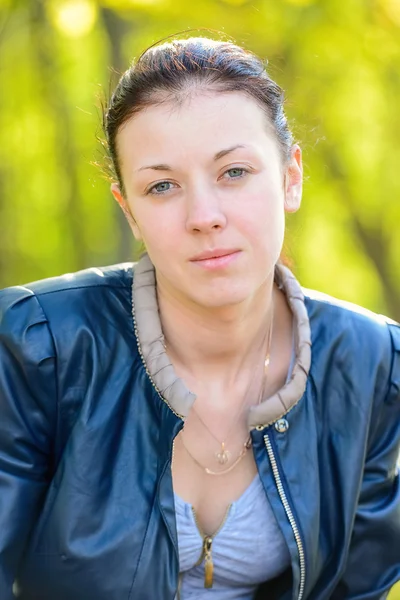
[116, 27]
[44, 47]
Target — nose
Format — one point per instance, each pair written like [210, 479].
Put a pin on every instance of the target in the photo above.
[204, 212]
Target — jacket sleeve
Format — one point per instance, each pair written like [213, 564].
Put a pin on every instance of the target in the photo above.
[27, 419]
[373, 564]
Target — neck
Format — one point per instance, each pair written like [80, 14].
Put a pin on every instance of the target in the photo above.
[221, 342]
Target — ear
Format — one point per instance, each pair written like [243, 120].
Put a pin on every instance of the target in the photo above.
[116, 192]
[294, 181]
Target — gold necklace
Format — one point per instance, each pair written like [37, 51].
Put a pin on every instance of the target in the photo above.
[246, 446]
[242, 453]
[223, 455]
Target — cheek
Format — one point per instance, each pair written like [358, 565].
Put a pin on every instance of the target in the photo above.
[161, 230]
[263, 219]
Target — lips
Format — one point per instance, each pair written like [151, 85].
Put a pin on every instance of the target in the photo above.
[216, 253]
[216, 260]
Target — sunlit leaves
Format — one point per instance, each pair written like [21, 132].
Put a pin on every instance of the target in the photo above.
[73, 18]
[131, 5]
[392, 10]
[235, 2]
[300, 2]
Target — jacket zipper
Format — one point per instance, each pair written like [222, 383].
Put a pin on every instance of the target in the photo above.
[289, 514]
[206, 553]
[180, 575]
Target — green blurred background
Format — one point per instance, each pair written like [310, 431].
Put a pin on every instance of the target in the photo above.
[339, 63]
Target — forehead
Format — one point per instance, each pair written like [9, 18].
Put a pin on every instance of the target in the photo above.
[198, 126]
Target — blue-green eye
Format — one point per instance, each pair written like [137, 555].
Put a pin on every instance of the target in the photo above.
[160, 188]
[235, 173]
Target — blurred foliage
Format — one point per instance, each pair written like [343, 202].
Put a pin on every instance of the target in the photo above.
[339, 63]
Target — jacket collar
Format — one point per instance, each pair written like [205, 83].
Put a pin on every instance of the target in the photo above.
[172, 389]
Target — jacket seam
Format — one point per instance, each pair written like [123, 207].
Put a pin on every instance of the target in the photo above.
[142, 548]
[393, 387]
[172, 536]
[393, 361]
[56, 377]
[71, 289]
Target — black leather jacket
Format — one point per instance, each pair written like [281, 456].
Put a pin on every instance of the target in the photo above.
[86, 497]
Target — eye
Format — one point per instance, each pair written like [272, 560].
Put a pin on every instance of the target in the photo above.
[235, 173]
[160, 188]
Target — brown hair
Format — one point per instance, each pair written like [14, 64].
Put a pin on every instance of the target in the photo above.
[168, 71]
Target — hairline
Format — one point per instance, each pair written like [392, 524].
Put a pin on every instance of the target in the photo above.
[160, 97]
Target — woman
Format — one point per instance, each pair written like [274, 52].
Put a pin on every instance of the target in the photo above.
[165, 429]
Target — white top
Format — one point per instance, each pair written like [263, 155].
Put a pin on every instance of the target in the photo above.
[245, 554]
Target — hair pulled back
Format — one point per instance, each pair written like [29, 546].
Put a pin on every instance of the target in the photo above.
[169, 71]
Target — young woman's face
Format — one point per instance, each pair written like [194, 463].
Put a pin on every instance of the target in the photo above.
[206, 191]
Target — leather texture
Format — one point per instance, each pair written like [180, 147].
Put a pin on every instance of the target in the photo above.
[86, 497]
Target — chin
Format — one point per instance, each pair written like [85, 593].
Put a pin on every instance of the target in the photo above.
[220, 298]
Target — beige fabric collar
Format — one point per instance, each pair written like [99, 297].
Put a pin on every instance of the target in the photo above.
[172, 389]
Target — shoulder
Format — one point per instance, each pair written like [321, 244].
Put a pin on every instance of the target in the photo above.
[25, 310]
[114, 276]
[337, 317]
[70, 284]
[349, 340]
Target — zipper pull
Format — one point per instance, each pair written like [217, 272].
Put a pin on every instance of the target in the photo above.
[206, 554]
[208, 562]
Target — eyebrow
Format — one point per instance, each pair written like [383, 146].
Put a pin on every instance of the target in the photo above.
[217, 156]
[223, 153]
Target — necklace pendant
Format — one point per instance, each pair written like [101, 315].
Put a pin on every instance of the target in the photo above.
[223, 456]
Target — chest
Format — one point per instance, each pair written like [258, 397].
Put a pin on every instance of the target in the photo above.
[209, 495]
[213, 459]
[239, 557]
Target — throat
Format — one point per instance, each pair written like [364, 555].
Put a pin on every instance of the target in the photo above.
[203, 342]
